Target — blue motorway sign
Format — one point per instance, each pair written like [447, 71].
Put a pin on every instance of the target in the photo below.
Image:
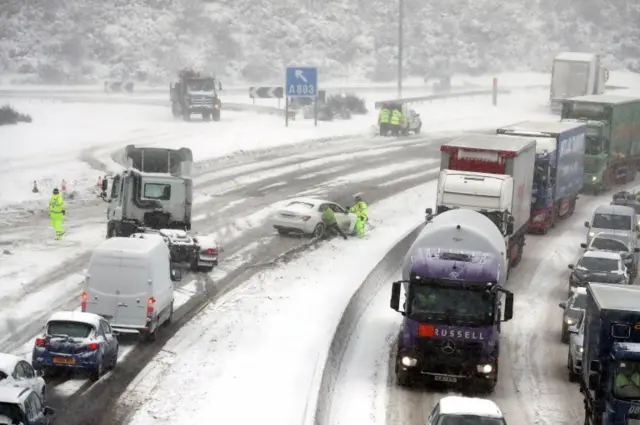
[302, 81]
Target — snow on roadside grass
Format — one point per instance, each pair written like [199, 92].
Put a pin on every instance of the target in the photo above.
[261, 341]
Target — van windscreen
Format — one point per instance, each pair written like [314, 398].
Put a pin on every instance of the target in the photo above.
[612, 221]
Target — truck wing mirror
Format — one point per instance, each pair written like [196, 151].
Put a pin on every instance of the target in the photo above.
[509, 228]
[563, 305]
[583, 245]
[586, 224]
[508, 306]
[571, 266]
[105, 184]
[594, 366]
[428, 211]
[395, 296]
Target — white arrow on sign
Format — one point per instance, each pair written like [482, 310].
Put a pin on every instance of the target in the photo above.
[300, 75]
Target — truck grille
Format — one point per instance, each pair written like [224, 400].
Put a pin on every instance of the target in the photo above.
[461, 360]
[201, 101]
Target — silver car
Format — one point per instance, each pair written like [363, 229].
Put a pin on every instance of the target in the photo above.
[573, 309]
[576, 350]
[618, 241]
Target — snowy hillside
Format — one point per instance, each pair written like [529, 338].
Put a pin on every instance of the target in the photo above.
[252, 40]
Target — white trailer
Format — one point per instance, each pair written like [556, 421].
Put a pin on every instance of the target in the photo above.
[576, 74]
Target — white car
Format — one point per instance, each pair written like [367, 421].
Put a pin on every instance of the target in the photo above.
[304, 216]
[411, 121]
[455, 410]
[576, 350]
[16, 371]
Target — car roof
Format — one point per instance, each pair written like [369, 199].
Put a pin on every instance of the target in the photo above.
[313, 201]
[456, 405]
[602, 254]
[76, 316]
[11, 394]
[8, 362]
[614, 209]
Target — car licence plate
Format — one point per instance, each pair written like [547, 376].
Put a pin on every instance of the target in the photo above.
[441, 378]
[64, 360]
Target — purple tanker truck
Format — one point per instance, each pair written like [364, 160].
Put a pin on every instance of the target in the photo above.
[452, 281]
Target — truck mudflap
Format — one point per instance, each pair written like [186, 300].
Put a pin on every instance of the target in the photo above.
[541, 221]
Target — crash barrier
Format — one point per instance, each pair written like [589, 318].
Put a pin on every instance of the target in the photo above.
[456, 94]
[319, 403]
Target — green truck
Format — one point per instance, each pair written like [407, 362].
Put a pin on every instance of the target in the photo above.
[612, 148]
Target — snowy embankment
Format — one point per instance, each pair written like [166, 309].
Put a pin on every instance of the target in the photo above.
[288, 315]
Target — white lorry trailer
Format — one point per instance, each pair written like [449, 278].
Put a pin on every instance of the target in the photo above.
[576, 74]
[493, 175]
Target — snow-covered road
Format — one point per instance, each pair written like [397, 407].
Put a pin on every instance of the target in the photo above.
[533, 384]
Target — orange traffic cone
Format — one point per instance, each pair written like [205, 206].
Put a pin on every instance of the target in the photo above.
[63, 185]
[99, 181]
[35, 187]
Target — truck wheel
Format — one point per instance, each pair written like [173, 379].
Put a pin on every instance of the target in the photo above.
[216, 116]
[486, 386]
[403, 380]
[206, 116]
[111, 231]
[417, 130]
[186, 116]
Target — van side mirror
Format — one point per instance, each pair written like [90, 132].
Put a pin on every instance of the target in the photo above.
[428, 211]
[395, 296]
[563, 306]
[508, 307]
[583, 245]
[586, 224]
[571, 266]
[176, 275]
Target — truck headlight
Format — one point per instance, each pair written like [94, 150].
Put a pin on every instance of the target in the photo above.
[594, 178]
[591, 234]
[580, 349]
[409, 361]
[485, 368]
[569, 321]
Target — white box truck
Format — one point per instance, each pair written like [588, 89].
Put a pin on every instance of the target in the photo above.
[130, 283]
[493, 175]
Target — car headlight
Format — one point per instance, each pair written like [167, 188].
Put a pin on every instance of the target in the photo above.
[409, 361]
[580, 349]
[594, 178]
[485, 368]
[591, 234]
[569, 321]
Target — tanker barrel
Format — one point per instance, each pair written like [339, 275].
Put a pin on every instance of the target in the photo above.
[454, 231]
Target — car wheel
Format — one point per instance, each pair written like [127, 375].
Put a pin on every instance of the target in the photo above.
[282, 232]
[115, 359]
[318, 231]
[96, 374]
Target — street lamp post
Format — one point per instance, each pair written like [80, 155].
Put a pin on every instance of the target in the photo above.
[400, 42]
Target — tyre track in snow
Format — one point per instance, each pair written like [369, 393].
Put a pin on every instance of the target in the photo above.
[226, 211]
[533, 387]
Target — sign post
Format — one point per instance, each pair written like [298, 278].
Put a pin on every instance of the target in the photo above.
[301, 81]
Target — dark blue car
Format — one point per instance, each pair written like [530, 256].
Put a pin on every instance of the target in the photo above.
[75, 340]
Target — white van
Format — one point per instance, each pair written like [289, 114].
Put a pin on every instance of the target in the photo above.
[130, 283]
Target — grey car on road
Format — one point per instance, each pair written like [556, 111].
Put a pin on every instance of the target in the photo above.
[576, 349]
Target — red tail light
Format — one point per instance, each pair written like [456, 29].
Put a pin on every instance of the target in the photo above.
[150, 304]
[40, 342]
[305, 218]
[211, 251]
[93, 346]
[83, 303]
